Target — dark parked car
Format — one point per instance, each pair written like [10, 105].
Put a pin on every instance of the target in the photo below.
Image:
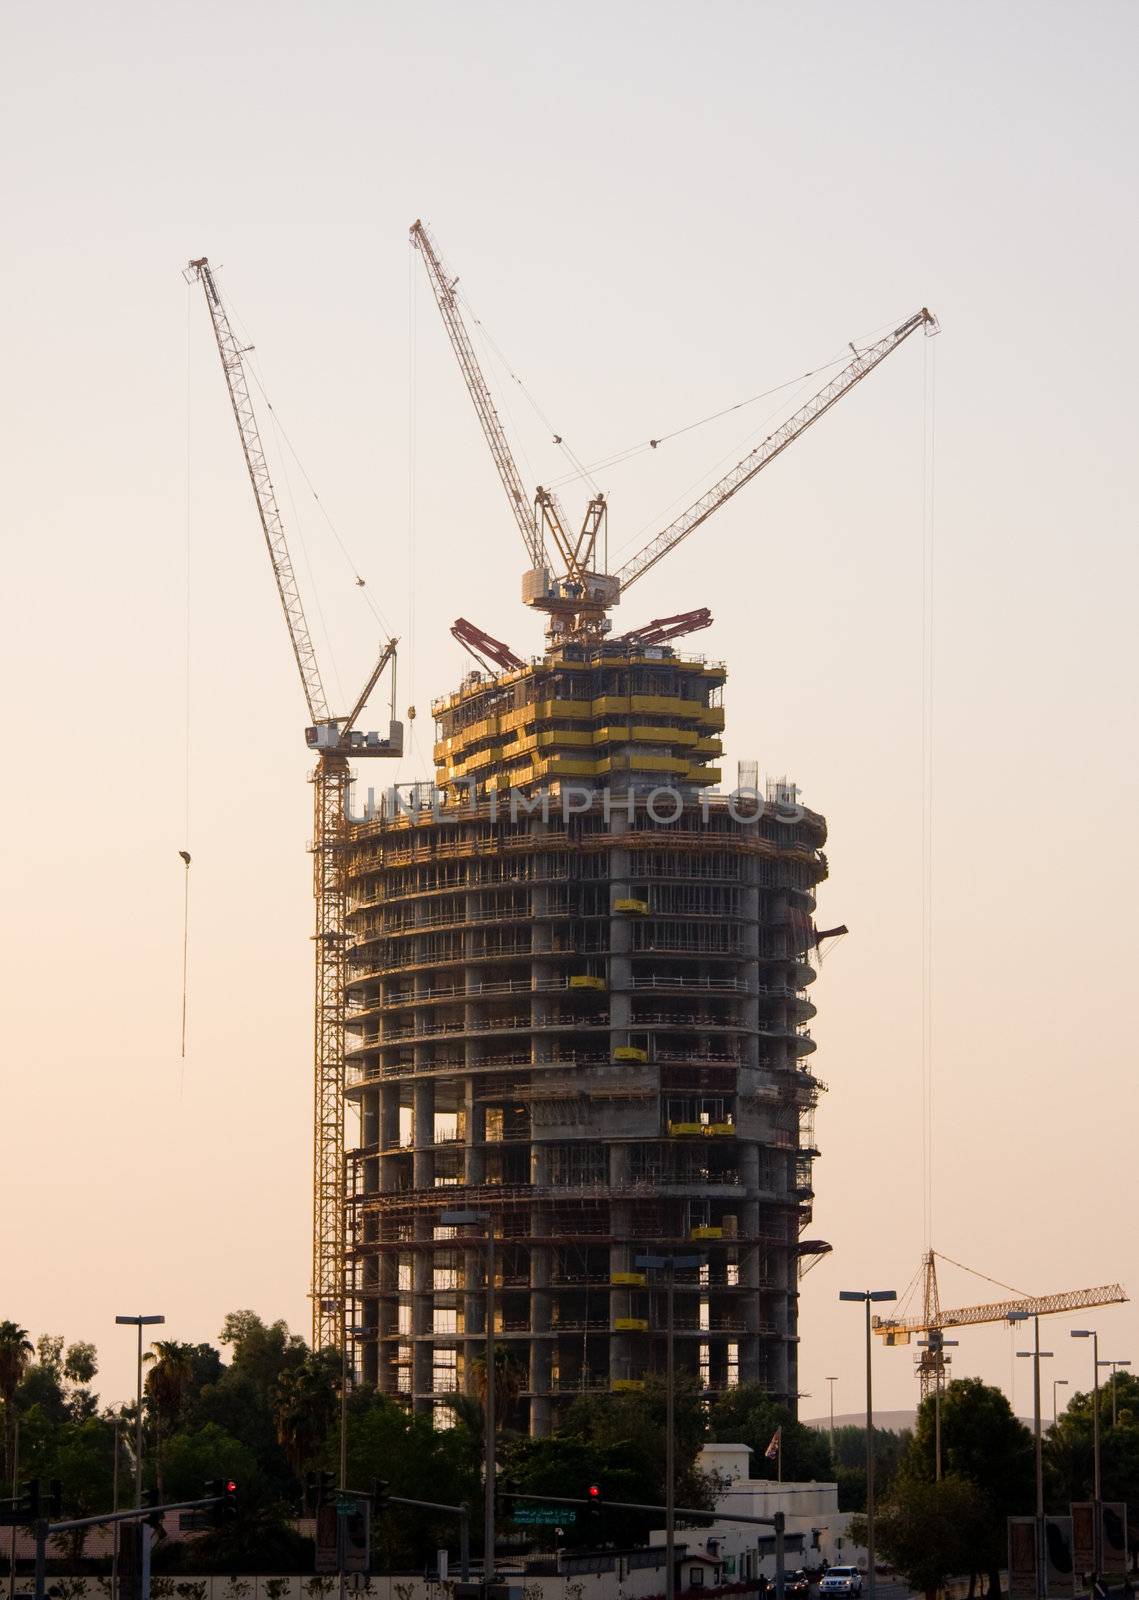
[798, 1586]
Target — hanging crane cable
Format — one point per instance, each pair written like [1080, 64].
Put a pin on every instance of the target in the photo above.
[185, 853]
[621, 456]
[282, 435]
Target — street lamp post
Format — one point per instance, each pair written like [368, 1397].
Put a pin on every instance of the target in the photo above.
[832, 1382]
[1057, 1383]
[669, 1264]
[1093, 1335]
[1036, 1355]
[140, 1323]
[1113, 1365]
[461, 1219]
[868, 1295]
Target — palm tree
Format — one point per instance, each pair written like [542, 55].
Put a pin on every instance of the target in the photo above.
[509, 1382]
[305, 1399]
[169, 1377]
[16, 1350]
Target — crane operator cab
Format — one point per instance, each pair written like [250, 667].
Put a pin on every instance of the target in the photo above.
[326, 737]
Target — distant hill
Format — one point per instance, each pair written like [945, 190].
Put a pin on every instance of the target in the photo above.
[892, 1421]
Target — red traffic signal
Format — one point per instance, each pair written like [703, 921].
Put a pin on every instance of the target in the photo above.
[594, 1494]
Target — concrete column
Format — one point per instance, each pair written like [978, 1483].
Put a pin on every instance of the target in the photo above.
[423, 1132]
[422, 1314]
[475, 1146]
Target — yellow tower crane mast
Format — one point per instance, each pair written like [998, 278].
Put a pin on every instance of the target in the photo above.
[335, 740]
[934, 1321]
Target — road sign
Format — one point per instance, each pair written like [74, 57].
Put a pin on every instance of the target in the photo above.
[327, 1539]
[544, 1516]
[194, 1521]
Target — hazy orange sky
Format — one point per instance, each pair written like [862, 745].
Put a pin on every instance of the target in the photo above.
[656, 210]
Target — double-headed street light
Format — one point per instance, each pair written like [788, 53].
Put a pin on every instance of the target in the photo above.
[1093, 1335]
[1113, 1365]
[869, 1295]
[459, 1219]
[1036, 1356]
[140, 1323]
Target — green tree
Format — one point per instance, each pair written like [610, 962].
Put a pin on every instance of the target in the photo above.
[418, 1462]
[194, 1457]
[636, 1422]
[850, 1463]
[928, 1531]
[261, 1351]
[748, 1415]
[1069, 1453]
[305, 1401]
[983, 1443]
[15, 1353]
[567, 1465]
[81, 1362]
[170, 1374]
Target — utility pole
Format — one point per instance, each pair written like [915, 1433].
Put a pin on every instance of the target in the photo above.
[832, 1382]
[15, 1492]
[668, 1265]
[458, 1219]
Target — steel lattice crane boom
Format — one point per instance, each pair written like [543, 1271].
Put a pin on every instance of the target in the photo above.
[578, 600]
[443, 286]
[335, 739]
[744, 471]
[561, 597]
[934, 1321]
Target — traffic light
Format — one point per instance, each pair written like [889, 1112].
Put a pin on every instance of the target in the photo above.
[151, 1497]
[380, 1493]
[319, 1491]
[53, 1505]
[223, 1492]
[28, 1500]
[594, 1500]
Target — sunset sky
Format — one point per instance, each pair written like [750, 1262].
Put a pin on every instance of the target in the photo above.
[656, 211]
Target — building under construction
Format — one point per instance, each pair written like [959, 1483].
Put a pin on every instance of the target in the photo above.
[564, 990]
[589, 1024]
[575, 998]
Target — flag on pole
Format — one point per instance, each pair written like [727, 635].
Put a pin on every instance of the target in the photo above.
[775, 1448]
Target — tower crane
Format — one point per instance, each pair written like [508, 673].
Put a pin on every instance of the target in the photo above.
[335, 739]
[933, 1320]
[579, 598]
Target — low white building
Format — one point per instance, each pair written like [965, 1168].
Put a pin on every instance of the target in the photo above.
[816, 1531]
